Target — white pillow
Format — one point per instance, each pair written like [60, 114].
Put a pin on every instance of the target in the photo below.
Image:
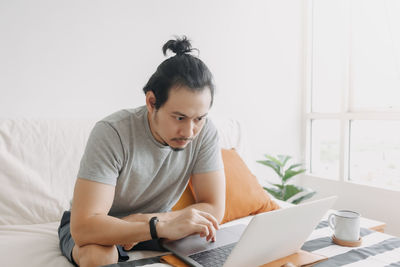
[39, 160]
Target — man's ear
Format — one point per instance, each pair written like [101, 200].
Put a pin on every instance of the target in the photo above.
[150, 101]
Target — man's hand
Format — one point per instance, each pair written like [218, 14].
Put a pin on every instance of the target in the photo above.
[188, 222]
[178, 224]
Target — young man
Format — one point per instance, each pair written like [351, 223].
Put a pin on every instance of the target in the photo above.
[138, 162]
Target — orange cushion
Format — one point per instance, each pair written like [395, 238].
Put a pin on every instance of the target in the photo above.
[244, 195]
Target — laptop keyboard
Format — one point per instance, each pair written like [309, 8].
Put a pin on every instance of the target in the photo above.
[213, 257]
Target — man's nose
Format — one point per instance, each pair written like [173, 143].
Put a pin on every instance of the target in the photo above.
[187, 129]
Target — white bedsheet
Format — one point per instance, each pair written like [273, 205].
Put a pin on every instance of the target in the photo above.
[37, 245]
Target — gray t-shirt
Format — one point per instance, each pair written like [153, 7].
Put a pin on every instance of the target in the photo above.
[148, 176]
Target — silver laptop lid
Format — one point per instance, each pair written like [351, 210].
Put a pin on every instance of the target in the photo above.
[276, 234]
[268, 236]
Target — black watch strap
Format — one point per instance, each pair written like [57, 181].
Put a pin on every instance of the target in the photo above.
[153, 231]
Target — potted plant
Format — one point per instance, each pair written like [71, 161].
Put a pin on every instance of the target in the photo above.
[285, 191]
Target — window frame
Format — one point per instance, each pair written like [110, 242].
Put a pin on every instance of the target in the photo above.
[346, 114]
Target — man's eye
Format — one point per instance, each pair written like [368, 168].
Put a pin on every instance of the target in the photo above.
[179, 118]
[199, 119]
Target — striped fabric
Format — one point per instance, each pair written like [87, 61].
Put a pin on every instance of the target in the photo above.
[377, 249]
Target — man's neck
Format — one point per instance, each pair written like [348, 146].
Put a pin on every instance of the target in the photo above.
[153, 132]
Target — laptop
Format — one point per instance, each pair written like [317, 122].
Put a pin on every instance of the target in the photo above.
[269, 236]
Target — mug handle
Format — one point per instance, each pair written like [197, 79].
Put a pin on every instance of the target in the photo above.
[331, 221]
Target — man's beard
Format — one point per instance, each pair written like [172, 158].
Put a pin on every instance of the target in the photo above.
[177, 149]
[180, 148]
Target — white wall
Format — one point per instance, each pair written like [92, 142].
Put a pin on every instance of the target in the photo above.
[90, 58]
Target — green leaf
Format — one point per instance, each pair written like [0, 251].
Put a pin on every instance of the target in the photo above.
[279, 186]
[274, 160]
[272, 165]
[291, 190]
[294, 166]
[284, 159]
[275, 192]
[290, 173]
[302, 198]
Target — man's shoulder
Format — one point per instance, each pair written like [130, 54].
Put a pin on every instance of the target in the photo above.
[124, 115]
[123, 122]
[209, 129]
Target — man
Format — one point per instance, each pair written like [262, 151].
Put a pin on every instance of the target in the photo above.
[138, 162]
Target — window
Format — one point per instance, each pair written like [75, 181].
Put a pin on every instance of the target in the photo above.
[353, 91]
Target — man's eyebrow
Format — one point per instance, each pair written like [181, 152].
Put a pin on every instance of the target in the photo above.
[204, 115]
[178, 113]
[183, 115]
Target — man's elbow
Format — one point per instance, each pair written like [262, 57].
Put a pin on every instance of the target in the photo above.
[79, 232]
[220, 217]
[219, 211]
[218, 207]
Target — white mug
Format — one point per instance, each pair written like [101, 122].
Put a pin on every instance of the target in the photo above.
[345, 224]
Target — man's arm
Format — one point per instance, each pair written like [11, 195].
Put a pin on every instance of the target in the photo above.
[209, 190]
[90, 223]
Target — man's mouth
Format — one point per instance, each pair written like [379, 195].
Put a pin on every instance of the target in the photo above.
[182, 141]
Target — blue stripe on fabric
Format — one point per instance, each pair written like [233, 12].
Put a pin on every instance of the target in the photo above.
[322, 224]
[324, 242]
[394, 264]
[355, 255]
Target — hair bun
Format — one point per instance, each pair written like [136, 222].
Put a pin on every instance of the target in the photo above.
[179, 46]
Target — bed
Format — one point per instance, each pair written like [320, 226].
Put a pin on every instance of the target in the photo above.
[38, 164]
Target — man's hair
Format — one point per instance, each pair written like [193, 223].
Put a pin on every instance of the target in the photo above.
[183, 69]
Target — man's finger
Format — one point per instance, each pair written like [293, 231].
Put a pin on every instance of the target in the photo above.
[211, 231]
[212, 224]
[202, 230]
[211, 218]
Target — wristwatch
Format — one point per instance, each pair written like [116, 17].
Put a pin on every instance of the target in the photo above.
[153, 231]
